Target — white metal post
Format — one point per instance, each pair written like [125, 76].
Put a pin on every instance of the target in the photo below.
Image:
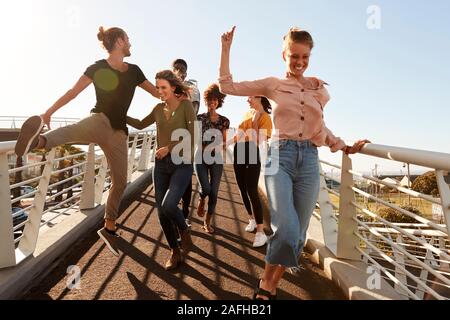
[87, 200]
[7, 252]
[329, 223]
[347, 240]
[145, 153]
[400, 259]
[431, 261]
[444, 191]
[100, 180]
[132, 159]
[27, 244]
[153, 143]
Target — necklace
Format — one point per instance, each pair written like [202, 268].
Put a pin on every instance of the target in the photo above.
[172, 113]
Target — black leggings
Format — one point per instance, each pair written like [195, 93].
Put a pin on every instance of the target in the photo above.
[247, 177]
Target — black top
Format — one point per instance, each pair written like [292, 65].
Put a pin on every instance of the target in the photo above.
[221, 124]
[114, 90]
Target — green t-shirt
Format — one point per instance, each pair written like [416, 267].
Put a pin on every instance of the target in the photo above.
[182, 118]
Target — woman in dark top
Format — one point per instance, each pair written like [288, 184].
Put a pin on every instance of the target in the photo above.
[173, 170]
[214, 126]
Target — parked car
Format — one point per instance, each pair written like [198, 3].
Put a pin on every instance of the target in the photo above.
[26, 189]
[21, 217]
[23, 190]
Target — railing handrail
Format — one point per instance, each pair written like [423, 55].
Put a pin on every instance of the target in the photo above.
[7, 146]
[429, 159]
[14, 250]
[26, 117]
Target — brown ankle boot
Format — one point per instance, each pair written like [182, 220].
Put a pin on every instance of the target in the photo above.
[201, 208]
[186, 240]
[174, 260]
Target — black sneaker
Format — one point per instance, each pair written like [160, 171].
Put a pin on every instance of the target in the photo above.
[29, 135]
[110, 240]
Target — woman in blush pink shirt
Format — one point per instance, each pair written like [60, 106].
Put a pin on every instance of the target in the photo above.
[299, 128]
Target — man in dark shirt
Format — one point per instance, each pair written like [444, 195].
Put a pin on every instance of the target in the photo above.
[115, 82]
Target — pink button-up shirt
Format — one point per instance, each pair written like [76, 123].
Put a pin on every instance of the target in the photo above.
[297, 111]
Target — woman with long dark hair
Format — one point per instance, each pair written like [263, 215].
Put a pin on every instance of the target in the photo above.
[172, 171]
[255, 129]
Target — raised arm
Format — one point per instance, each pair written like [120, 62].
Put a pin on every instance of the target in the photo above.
[81, 84]
[227, 40]
[142, 124]
[247, 88]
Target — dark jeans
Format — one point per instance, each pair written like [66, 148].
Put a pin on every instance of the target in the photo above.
[187, 196]
[170, 182]
[247, 177]
[209, 176]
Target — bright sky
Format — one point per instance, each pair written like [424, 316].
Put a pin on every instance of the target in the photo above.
[388, 84]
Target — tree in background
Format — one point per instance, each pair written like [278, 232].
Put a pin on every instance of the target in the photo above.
[62, 151]
[427, 184]
[395, 216]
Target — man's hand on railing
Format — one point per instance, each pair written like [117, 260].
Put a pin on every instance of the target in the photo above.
[356, 147]
[47, 118]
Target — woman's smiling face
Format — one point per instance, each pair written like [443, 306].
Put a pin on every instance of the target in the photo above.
[297, 57]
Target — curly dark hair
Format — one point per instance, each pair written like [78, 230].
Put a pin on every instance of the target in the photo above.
[213, 92]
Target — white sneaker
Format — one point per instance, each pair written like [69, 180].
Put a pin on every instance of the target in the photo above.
[260, 239]
[251, 226]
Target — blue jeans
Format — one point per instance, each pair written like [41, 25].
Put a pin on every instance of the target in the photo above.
[292, 193]
[209, 185]
[170, 181]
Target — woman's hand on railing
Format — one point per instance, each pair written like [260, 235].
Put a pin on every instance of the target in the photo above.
[356, 147]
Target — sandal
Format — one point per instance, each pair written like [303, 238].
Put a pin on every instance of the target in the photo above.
[261, 292]
[208, 229]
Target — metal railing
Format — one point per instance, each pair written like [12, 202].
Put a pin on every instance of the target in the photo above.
[65, 182]
[16, 122]
[413, 257]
